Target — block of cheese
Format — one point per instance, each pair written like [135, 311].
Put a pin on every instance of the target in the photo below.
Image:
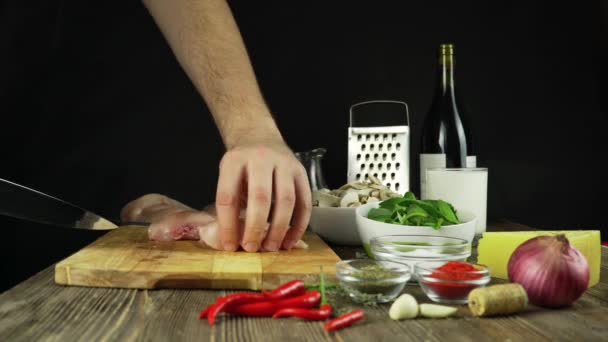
[495, 249]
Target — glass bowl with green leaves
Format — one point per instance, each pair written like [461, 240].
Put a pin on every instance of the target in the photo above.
[407, 215]
[366, 280]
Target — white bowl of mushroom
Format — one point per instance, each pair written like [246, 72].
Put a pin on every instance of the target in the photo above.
[333, 212]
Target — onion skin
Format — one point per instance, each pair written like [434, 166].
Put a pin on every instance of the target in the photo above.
[553, 272]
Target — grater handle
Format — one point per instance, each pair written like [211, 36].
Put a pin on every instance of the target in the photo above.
[366, 103]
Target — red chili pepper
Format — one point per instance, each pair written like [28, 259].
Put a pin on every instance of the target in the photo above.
[268, 308]
[289, 289]
[259, 309]
[344, 320]
[307, 300]
[232, 300]
[205, 311]
[320, 314]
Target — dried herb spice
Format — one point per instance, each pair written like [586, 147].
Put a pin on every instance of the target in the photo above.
[373, 283]
[375, 272]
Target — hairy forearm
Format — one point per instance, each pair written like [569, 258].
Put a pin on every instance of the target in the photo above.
[207, 43]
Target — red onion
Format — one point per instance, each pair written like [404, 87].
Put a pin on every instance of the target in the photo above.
[553, 272]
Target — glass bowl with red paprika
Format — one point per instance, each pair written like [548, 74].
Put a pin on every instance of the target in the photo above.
[450, 282]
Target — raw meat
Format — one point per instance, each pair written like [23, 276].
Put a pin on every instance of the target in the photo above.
[172, 220]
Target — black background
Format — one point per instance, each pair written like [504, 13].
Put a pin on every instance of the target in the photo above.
[95, 109]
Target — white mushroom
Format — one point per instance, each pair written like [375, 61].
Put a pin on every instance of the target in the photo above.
[375, 180]
[328, 200]
[349, 197]
[358, 185]
[364, 192]
[353, 194]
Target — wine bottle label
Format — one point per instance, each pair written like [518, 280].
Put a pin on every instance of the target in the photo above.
[429, 161]
[471, 161]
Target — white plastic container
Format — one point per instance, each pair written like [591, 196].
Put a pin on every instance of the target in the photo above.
[464, 188]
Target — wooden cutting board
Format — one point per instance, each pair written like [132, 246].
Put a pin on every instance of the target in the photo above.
[125, 258]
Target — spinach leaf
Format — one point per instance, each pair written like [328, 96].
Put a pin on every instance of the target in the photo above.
[446, 211]
[391, 203]
[409, 195]
[408, 210]
[379, 214]
[415, 211]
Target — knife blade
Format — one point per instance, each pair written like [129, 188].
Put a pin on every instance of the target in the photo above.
[28, 204]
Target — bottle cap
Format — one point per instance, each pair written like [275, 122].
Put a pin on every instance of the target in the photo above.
[446, 49]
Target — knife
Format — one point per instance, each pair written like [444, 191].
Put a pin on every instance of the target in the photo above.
[28, 204]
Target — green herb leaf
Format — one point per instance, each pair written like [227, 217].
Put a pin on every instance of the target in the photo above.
[400, 218]
[322, 286]
[409, 196]
[391, 203]
[318, 287]
[415, 211]
[408, 210]
[430, 222]
[379, 214]
[446, 211]
[437, 224]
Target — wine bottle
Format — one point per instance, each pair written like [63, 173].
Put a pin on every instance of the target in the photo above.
[446, 138]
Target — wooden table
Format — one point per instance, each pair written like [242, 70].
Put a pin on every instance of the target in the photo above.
[39, 310]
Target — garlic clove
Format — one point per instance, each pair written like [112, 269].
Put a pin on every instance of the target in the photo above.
[436, 311]
[404, 307]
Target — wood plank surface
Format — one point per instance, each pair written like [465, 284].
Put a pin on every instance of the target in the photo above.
[40, 310]
[125, 258]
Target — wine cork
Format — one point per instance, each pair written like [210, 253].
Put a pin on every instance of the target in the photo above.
[500, 299]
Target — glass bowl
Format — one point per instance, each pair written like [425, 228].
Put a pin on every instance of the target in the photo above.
[450, 287]
[371, 280]
[412, 249]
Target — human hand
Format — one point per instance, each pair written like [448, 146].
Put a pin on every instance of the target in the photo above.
[275, 187]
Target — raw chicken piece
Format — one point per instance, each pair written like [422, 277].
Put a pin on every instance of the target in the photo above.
[172, 220]
[150, 208]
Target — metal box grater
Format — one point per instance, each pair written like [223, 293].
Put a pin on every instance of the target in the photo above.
[379, 143]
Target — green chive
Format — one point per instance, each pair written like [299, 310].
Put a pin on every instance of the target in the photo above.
[322, 286]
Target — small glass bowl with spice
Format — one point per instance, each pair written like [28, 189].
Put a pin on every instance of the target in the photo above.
[412, 249]
[450, 282]
[366, 280]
